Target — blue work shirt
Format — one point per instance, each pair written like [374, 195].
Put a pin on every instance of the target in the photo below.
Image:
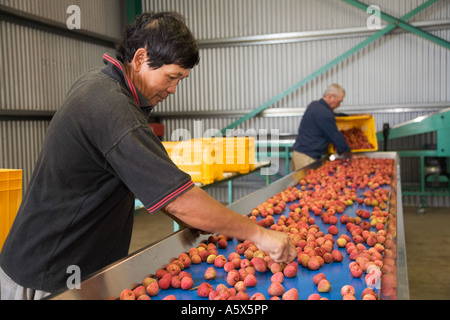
[317, 129]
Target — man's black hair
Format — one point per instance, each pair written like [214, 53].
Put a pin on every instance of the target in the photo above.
[165, 36]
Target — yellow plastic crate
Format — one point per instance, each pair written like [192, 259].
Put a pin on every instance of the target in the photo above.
[10, 200]
[200, 158]
[239, 154]
[366, 123]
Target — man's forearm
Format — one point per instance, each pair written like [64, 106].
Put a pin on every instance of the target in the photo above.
[198, 210]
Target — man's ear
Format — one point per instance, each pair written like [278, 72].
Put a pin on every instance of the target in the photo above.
[140, 59]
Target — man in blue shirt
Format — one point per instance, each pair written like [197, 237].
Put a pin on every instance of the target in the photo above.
[318, 128]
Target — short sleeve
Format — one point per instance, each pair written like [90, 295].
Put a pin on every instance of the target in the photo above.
[142, 163]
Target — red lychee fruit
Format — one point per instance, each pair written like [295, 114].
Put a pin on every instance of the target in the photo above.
[220, 261]
[127, 294]
[318, 277]
[356, 271]
[277, 277]
[290, 271]
[139, 291]
[173, 269]
[164, 283]
[210, 273]
[250, 280]
[196, 259]
[204, 289]
[276, 289]
[187, 283]
[152, 289]
[229, 266]
[232, 277]
[291, 294]
[240, 286]
[337, 255]
[347, 289]
[313, 263]
[222, 244]
[258, 296]
[324, 286]
[175, 282]
[314, 296]
[259, 264]
[333, 230]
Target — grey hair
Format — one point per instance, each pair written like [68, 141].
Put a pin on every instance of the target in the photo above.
[334, 89]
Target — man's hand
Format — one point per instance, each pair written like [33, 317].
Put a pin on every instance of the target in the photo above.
[278, 245]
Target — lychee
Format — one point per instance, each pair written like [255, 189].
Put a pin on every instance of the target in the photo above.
[196, 259]
[187, 283]
[152, 289]
[127, 294]
[324, 286]
[290, 271]
[259, 264]
[250, 280]
[210, 273]
[277, 277]
[347, 289]
[258, 296]
[229, 266]
[313, 263]
[291, 294]
[220, 261]
[333, 230]
[164, 283]
[139, 291]
[204, 289]
[318, 277]
[240, 286]
[232, 277]
[176, 282]
[276, 289]
[337, 255]
[314, 296]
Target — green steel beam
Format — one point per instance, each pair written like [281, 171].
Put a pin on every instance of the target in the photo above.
[134, 8]
[329, 65]
[402, 24]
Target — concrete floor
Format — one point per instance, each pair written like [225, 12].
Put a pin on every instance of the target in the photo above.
[427, 239]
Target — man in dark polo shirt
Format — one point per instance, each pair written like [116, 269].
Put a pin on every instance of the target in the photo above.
[318, 128]
[99, 152]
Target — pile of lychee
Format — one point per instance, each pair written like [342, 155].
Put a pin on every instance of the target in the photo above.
[323, 194]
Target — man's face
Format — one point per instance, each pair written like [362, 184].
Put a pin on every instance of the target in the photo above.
[157, 84]
[335, 100]
[154, 84]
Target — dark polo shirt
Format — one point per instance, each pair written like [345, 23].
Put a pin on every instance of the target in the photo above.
[98, 154]
[317, 129]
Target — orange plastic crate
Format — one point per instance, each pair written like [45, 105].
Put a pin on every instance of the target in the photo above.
[10, 200]
[366, 123]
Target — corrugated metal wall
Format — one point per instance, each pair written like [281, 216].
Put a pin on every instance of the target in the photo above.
[397, 78]
[38, 63]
